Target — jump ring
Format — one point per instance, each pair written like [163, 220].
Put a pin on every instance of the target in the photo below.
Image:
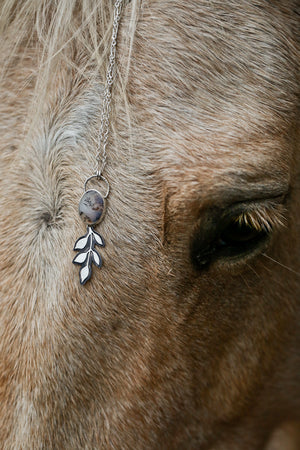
[99, 177]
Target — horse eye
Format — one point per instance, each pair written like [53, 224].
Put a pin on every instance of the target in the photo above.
[233, 240]
[239, 236]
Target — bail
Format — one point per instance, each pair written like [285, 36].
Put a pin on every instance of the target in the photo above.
[100, 177]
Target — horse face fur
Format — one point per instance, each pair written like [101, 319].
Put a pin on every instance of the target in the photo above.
[187, 337]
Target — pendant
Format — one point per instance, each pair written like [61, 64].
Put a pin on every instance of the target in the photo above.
[91, 210]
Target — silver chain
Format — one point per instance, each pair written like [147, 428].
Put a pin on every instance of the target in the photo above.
[105, 115]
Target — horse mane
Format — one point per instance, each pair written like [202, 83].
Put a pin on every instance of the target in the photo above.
[66, 33]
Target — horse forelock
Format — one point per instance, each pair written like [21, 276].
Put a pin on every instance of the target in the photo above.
[71, 34]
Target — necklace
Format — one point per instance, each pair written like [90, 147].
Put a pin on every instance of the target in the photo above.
[92, 204]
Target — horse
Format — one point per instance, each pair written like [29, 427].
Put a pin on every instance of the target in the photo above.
[188, 336]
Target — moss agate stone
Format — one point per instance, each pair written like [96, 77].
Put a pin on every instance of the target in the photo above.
[91, 207]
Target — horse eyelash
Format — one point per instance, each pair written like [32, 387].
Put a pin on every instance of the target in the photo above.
[264, 218]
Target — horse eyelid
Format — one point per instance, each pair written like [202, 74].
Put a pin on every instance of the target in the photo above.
[262, 214]
[264, 218]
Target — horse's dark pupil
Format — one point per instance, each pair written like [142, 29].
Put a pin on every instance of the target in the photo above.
[233, 240]
[237, 233]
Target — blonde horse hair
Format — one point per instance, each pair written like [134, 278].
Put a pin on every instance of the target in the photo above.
[59, 29]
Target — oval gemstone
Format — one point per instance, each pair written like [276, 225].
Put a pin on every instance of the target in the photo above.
[91, 207]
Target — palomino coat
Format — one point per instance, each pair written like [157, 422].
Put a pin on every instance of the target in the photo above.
[188, 337]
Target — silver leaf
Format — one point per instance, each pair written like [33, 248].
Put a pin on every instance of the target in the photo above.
[97, 258]
[85, 274]
[98, 239]
[81, 242]
[80, 258]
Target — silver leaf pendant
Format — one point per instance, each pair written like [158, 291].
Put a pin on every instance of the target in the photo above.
[87, 254]
[91, 210]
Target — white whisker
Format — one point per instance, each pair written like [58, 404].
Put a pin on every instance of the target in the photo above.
[282, 265]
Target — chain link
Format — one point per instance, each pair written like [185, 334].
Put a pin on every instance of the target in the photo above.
[101, 156]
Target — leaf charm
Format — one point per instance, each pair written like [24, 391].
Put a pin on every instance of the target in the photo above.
[82, 242]
[87, 254]
[96, 258]
[85, 274]
[80, 258]
[98, 239]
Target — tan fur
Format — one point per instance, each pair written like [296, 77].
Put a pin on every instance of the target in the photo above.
[153, 353]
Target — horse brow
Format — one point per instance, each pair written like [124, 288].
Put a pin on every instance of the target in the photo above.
[240, 190]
